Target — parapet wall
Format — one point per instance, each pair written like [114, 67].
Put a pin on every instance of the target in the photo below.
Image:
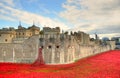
[25, 52]
[71, 54]
[56, 49]
[63, 49]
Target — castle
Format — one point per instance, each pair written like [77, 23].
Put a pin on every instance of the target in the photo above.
[21, 45]
[11, 35]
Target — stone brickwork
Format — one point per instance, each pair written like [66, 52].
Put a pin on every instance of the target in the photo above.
[21, 45]
[62, 49]
[56, 49]
[11, 35]
[25, 52]
[48, 30]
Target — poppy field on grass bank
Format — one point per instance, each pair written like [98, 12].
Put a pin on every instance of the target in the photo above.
[104, 65]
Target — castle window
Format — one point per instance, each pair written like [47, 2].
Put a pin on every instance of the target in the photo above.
[23, 33]
[10, 35]
[57, 46]
[49, 47]
[5, 40]
[42, 47]
[19, 33]
[0, 35]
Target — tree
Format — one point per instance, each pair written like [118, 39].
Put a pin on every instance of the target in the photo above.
[41, 32]
[66, 33]
[105, 39]
[71, 33]
[92, 39]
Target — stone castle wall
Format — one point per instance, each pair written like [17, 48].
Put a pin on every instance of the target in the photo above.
[20, 53]
[56, 49]
[62, 49]
[6, 38]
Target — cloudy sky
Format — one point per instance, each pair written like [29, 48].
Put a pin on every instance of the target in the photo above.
[91, 16]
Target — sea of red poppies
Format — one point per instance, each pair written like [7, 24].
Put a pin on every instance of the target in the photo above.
[104, 65]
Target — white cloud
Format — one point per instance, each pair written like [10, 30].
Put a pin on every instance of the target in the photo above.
[31, 1]
[8, 2]
[107, 35]
[6, 18]
[93, 15]
[101, 16]
[27, 17]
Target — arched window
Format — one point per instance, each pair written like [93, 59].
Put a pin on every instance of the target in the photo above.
[49, 46]
[30, 34]
[10, 35]
[42, 47]
[6, 40]
[57, 46]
